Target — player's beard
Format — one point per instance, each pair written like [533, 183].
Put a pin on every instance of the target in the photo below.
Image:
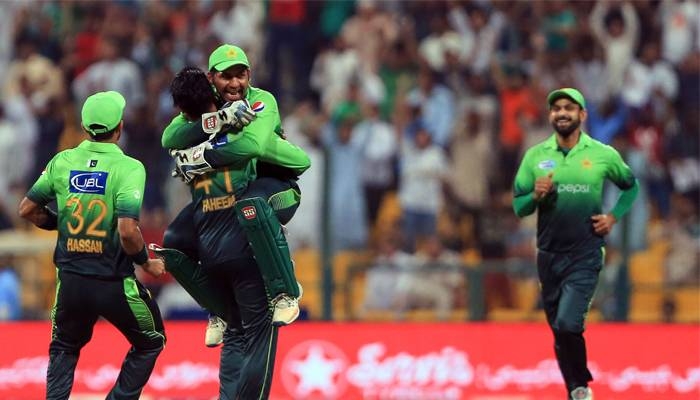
[566, 131]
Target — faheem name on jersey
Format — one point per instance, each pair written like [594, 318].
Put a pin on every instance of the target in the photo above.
[87, 182]
[218, 203]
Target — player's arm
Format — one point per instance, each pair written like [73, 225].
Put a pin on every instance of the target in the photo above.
[33, 206]
[253, 139]
[621, 175]
[524, 202]
[182, 133]
[280, 152]
[39, 215]
[127, 207]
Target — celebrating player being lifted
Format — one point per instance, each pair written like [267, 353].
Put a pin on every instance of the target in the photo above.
[274, 196]
[211, 216]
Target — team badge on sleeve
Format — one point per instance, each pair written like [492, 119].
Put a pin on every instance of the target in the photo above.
[258, 106]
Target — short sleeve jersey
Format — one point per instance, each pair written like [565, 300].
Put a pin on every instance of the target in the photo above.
[94, 184]
[564, 217]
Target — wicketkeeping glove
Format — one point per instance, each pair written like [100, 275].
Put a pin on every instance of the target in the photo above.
[189, 163]
[236, 115]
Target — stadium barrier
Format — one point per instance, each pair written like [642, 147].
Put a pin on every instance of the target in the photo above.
[472, 361]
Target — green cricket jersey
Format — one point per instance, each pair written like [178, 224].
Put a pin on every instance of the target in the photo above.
[564, 216]
[93, 184]
[260, 140]
[213, 197]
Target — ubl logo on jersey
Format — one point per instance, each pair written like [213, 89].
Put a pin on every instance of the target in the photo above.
[87, 182]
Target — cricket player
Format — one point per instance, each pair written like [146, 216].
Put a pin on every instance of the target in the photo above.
[252, 116]
[98, 191]
[226, 256]
[562, 179]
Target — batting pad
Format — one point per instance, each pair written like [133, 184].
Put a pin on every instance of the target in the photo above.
[269, 245]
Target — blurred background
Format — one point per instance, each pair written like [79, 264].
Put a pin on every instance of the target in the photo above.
[415, 114]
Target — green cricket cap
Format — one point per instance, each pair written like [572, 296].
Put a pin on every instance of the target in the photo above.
[102, 112]
[570, 93]
[227, 55]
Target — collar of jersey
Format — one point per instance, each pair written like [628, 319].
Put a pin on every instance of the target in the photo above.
[100, 147]
[583, 141]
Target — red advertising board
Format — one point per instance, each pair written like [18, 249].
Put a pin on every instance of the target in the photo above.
[383, 361]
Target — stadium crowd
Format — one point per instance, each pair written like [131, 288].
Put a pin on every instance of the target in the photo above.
[416, 112]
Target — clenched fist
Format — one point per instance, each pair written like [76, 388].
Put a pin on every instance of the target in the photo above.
[543, 186]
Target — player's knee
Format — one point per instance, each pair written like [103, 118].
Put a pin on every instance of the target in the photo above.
[152, 344]
[567, 325]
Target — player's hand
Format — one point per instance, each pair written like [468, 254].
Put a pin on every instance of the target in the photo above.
[235, 114]
[603, 223]
[189, 163]
[155, 267]
[543, 186]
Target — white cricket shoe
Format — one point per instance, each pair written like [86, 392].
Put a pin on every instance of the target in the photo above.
[215, 331]
[582, 393]
[286, 308]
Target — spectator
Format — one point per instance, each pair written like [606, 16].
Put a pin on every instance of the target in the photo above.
[379, 157]
[589, 70]
[437, 106]
[480, 32]
[472, 162]
[649, 80]
[617, 31]
[303, 128]
[115, 72]
[680, 30]
[432, 280]
[423, 170]
[10, 289]
[348, 213]
[683, 259]
[333, 71]
[380, 286]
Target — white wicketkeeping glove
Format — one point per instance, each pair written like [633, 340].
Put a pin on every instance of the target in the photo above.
[237, 115]
[189, 163]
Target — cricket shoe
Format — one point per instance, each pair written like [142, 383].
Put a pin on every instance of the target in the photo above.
[286, 308]
[214, 335]
[582, 393]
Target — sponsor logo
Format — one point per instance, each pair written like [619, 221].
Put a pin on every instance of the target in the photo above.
[220, 141]
[210, 122]
[87, 182]
[258, 106]
[315, 368]
[573, 188]
[249, 212]
[546, 164]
